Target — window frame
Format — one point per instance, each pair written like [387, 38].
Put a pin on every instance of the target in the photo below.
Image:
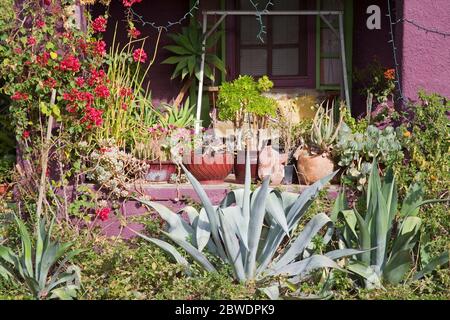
[348, 34]
[297, 81]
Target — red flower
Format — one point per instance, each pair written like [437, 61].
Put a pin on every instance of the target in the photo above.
[100, 47]
[125, 92]
[102, 91]
[86, 97]
[390, 74]
[79, 81]
[18, 50]
[26, 134]
[43, 59]
[124, 106]
[96, 77]
[129, 3]
[93, 117]
[31, 41]
[50, 83]
[99, 24]
[134, 33]
[71, 108]
[103, 213]
[70, 63]
[139, 55]
[19, 96]
[47, 2]
[82, 45]
[40, 23]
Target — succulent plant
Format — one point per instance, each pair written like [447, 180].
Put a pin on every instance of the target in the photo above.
[42, 269]
[356, 151]
[391, 235]
[253, 232]
[324, 129]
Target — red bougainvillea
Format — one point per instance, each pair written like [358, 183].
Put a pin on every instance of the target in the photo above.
[102, 91]
[92, 117]
[49, 83]
[99, 24]
[103, 213]
[70, 63]
[129, 3]
[100, 47]
[19, 96]
[134, 33]
[139, 55]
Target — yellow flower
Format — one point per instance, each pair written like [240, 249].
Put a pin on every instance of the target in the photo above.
[407, 134]
[53, 55]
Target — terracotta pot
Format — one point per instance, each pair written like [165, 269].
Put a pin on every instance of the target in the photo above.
[312, 168]
[4, 189]
[160, 171]
[209, 169]
[239, 166]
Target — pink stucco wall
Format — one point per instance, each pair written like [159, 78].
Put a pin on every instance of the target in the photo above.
[426, 56]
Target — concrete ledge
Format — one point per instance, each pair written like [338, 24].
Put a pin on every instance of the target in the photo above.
[175, 197]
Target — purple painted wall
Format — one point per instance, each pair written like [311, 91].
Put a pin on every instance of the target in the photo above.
[425, 56]
[369, 45]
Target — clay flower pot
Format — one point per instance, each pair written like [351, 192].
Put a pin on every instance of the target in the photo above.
[208, 169]
[160, 171]
[239, 166]
[312, 168]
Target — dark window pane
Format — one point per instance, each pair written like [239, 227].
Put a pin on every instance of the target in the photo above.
[285, 30]
[285, 62]
[250, 29]
[253, 62]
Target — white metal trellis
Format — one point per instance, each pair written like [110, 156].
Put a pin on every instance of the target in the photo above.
[223, 14]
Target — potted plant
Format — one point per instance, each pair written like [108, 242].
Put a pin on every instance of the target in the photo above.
[314, 159]
[155, 133]
[210, 161]
[242, 101]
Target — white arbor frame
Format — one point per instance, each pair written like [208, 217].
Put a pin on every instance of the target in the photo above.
[223, 14]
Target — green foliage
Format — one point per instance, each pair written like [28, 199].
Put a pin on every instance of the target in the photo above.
[6, 168]
[7, 142]
[7, 17]
[391, 235]
[426, 139]
[133, 269]
[375, 79]
[188, 53]
[180, 117]
[41, 266]
[355, 152]
[355, 126]
[243, 97]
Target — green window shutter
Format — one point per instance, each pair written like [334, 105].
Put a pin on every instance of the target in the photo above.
[332, 59]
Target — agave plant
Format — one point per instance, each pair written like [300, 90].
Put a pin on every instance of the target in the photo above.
[392, 235]
[249, 230]
[43, 268]
[324, 129]
[179, 116]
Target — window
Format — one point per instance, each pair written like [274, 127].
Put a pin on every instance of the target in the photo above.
[285, 53]
[328, 50]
